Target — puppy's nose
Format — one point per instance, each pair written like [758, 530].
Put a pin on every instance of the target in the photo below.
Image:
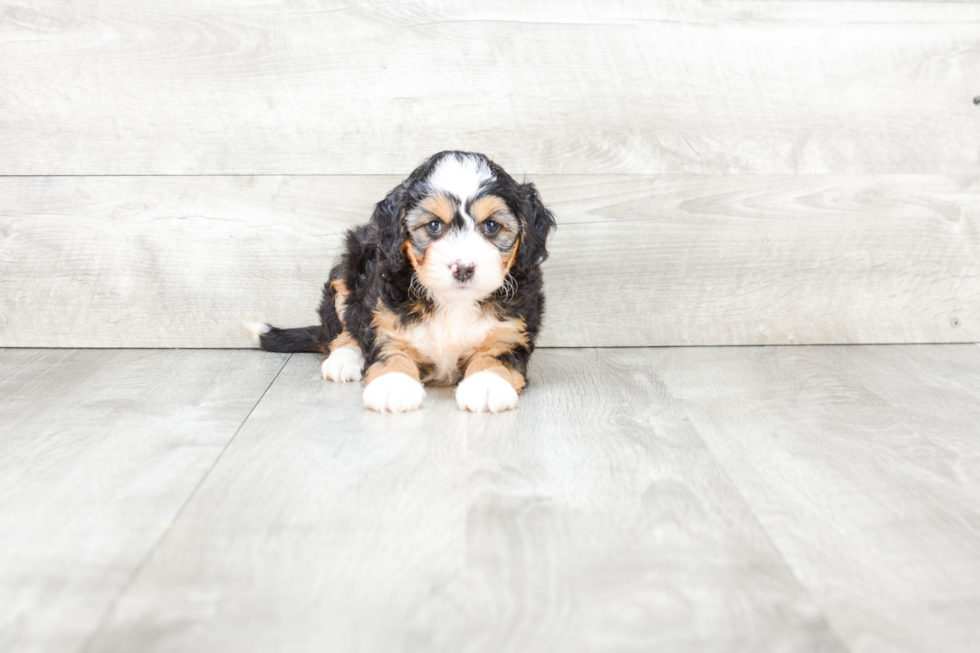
[462, 271]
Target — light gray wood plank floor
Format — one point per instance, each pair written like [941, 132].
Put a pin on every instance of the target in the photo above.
[689, 499]
[99, 450]
[863, 465]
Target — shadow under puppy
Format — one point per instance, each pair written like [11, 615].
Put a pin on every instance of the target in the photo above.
[443, 286]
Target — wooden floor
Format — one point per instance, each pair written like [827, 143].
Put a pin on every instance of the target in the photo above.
[687, 499]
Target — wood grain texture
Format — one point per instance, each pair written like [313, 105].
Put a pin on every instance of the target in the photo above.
[599, 521]
[314, 87]
[591, 519]
[107, 260]
[862, 468]
[98, 452]
[636, 261]
[328, 527]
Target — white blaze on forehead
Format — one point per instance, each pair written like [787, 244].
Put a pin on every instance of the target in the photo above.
[460, 177]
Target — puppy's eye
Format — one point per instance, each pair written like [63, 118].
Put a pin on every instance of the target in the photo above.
[490, 227]
[434, 228]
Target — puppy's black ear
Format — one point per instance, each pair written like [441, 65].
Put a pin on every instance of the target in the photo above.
[538, 222]
[387, 219]
[389, 213]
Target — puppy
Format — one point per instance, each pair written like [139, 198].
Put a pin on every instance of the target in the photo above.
[442, 286]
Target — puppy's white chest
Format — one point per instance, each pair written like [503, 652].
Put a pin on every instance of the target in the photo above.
[449, 335]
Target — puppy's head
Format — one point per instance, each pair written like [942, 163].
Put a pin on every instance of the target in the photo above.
[461, 224]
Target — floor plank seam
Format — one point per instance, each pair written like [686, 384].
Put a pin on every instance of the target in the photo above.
[755, 517]
[846, 383]
[173, 521]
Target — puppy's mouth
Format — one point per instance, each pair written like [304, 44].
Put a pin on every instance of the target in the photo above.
[461, 280]
[463, 286]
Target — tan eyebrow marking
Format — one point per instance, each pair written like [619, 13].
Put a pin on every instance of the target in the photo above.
[483, 207]
[440, 206]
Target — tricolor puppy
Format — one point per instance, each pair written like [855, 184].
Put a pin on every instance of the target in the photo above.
[442, 286]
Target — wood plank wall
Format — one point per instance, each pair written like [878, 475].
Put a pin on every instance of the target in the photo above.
[723, 172]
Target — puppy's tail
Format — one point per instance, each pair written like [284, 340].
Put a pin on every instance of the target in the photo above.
[271, 338]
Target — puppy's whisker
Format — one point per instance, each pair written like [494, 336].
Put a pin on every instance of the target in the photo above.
[416, 290]
[508, 289]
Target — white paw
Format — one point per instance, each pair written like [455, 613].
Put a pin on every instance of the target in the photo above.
[343, 365]
[485, 391]
[394, 392]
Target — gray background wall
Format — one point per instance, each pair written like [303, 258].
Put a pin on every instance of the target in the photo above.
[722, 172]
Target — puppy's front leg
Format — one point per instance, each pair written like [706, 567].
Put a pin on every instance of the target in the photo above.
[393, 385]
[489, 385]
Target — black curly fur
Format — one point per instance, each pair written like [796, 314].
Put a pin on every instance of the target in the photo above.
[374, 268]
